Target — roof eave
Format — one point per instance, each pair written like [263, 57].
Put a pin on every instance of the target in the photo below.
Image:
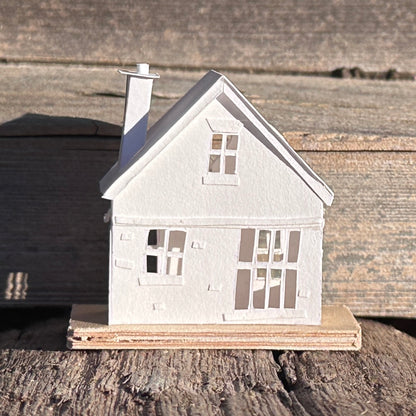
[308, 175]
[159, 136]
[112, 183]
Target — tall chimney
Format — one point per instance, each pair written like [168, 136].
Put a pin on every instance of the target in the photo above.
[136, 111]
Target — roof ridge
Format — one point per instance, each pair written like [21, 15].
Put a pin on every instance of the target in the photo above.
[193, 102]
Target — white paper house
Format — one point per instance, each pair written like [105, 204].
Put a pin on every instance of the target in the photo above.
[214, 217]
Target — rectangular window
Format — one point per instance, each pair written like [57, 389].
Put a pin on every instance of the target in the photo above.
[223, 154]
[267, 269]
[164, 252]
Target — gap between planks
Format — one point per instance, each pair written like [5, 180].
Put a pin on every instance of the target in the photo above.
[88, 329]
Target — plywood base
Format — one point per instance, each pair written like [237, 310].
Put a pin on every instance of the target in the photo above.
[88, 330]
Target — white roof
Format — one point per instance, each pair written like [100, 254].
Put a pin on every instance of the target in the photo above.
[213, 85]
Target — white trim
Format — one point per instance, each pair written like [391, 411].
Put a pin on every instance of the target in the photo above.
[137, 74]
[110, 275]
[268, 265]
[163, 132]
[263, 314]
[164, 258]
[159, 307]
[247, 265]
[161, 278]
[268, 268]
[279, 143]
[155, 279]
[163, 251]
[184, 111]
[215, 287]
[228, 126]
[213, 178]
[123, 264]
[223, 222]
[304, 293]
[222, 177]
[284, 242]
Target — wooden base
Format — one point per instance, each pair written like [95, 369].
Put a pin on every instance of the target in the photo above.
[88, 330]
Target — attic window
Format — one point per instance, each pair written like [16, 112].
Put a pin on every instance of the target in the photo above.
[223, 154]
[224, 145]
[164, 252]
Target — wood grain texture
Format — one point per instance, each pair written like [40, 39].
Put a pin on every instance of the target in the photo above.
[356, 383]
[52, 224]
[261, 35]
[88, 329]
[310, 105]
[369, 243]
[37, 376]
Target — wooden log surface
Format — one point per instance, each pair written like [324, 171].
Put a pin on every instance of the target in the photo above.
[370, 110]
[264, 35]
[38, 376]
[53, 243]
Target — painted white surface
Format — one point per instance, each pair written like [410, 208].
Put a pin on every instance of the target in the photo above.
[167, 128]
[167, 184]
[212, 86]
[222, 222]
[170, 189]
[207, 292]
[171, 186]
[136, 112]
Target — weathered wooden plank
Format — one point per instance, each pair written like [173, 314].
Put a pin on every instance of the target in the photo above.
[375, 381]
[338, 142]
[312, 105]
[52, 224]
[261, 35]
[40, 125]
[37, 376]
[369, 243]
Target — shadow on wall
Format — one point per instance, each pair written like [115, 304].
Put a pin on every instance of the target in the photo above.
[54, 243]
[33, 125]
[133, 140]
[34, 328]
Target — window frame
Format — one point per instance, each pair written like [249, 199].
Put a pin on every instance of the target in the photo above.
[284, 265]
[163, 254]
[223, 152]
[229, 127]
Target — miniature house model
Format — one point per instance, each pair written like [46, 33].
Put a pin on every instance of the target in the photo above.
[214, 218]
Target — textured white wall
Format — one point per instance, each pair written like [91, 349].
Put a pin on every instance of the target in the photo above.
[171, 189]
[209, 278]
[171, 185]
[212, 267]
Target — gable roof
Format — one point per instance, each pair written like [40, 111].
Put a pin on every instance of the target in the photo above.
[213, 85]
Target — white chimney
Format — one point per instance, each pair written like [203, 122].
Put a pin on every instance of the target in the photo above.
[136, 112]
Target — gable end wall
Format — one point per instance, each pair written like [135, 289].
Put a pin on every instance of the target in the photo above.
[171, 185]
